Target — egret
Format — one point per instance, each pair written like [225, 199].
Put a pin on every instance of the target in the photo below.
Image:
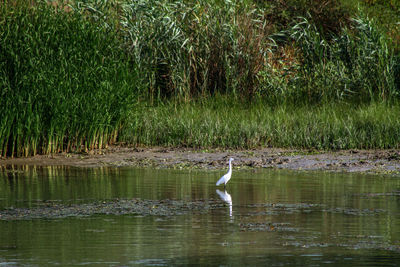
[224, 179]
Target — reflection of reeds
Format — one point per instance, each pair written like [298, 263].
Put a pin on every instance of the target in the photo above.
[38, 185]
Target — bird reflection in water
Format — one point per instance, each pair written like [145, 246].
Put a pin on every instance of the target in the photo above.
[226, 197]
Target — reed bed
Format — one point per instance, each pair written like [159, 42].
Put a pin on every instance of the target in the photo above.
[65, 83]
[78, 75]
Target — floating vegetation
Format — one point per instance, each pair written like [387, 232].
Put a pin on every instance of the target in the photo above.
[269, 227]
[356, 212]
[53, 210]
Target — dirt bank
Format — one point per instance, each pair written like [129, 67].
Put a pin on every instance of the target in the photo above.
[371, 161]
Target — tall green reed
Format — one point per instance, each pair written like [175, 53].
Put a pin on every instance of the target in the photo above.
[194, 48]
[359, 65]
[186, 49]
[66, 83]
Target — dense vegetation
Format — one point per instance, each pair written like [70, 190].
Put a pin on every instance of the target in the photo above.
[65, 82]
[328, 126]
[79, 75]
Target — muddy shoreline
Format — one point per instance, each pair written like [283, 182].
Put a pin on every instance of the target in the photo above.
[364, 161]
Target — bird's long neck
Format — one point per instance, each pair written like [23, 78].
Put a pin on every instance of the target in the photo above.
[230, 166]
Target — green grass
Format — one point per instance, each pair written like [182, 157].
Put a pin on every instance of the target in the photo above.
[65, 83]
[223, 124]
[146, 72]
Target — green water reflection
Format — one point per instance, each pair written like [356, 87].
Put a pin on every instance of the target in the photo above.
[277, 218]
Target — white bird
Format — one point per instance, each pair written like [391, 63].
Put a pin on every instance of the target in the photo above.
[224, 179]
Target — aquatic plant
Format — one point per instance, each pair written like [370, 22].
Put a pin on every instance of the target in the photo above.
[78, 75]
[359, 65]
[65, 83]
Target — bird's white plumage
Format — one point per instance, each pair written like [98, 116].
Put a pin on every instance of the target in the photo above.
[224, 179]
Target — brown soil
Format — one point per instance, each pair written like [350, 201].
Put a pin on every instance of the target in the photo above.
[371, 161]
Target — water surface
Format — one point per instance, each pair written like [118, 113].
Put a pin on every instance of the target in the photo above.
[266, 217]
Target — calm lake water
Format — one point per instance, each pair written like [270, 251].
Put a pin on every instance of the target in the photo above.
[268, 217]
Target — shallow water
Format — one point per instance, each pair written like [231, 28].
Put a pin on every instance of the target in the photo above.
[266, 217]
